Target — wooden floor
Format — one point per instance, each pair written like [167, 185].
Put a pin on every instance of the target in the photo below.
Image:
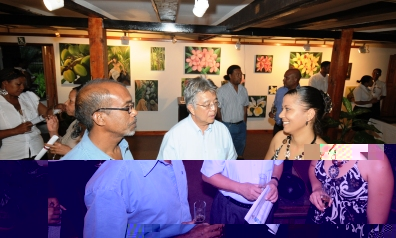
[146, 147]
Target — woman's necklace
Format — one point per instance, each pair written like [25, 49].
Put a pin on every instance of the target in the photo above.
[298, 157]
[334, 168]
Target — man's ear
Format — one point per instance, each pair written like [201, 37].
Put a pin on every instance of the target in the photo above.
[97, 117]
[191, 108]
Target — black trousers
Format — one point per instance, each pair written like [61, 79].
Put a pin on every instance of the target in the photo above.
[376, 110]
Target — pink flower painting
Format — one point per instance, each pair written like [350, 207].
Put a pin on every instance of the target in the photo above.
[202, 60]
[263, 64]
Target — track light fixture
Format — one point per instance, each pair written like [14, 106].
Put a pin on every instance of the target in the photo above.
[53, 4]
[124, 39]
[364, 49]
[307, 47]
[174, 40]
[200, 7]
[57, 34]
[238, 44]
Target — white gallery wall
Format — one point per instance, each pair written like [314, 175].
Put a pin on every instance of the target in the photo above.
[169, 80]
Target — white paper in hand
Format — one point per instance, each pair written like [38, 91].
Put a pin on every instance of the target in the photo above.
[44, 150]
[258, 213]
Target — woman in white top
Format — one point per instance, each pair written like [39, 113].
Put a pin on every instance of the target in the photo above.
[74, 132]
[20, 138]
[363, 99]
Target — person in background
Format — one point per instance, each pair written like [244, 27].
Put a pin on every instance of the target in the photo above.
[303, 109]
[106, 109]
[291, 80]
[379, 92]
[123, 194]
[74, 132]
[321, 80]
[20, 138]
[363, 99]
[199, 136]
[233, 103]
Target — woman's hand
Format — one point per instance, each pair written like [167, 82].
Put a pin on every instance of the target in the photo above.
[316, 199]
[58, 148]
[52, 124]
[24, 127]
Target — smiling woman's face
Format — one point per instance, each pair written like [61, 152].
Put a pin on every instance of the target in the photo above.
[293, 115]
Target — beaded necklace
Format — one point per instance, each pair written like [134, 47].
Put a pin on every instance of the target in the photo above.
[298, 157]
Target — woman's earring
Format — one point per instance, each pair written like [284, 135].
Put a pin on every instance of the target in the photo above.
[306, 123]
[3, 92]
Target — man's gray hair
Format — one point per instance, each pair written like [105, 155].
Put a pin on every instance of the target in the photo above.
[197, 85]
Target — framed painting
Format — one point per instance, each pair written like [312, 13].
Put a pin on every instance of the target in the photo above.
[119, 64]
[263, 64]
[146, 95]
[257, 106]
[348, 76]
[74, 63]
[157, 58]
[307, 62]
[272, 90]
[202, 60]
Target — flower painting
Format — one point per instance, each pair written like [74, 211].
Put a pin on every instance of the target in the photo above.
[146, 95]
[202, 60]
[257, 106]
[272, 90]
[263, 64]
[307, 62]
[157, 58]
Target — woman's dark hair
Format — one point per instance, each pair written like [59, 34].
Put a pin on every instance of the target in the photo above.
[365, 79]
[316, 99]
[9, 74]
[230, 70]
[77, 128]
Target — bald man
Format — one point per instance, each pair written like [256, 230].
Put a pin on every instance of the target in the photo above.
[105, 107]
[291, 80]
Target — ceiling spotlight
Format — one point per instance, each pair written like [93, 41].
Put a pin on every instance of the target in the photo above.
[307, 47]
[57, 34]
[124, 39]
[174, 40]
[364, 49]
[53, 4]
[200, 7]
[238, 45]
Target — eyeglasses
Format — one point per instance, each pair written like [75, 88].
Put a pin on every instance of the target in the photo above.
[213, 105]
[127, 109]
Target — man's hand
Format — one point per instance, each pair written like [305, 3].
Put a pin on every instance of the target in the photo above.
[204, 230]
[272, 195]
[249, 191]
[54, 212]
[58, 148]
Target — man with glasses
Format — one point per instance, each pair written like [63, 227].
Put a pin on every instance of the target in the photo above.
[379, 91]
[291, 80]
[199, 136]
[234, 101]
[105, 107]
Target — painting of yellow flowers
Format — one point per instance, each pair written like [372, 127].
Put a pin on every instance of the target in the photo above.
[202, 60]
[263, 64]
[257, 106]
[307, 62]
[272, 90]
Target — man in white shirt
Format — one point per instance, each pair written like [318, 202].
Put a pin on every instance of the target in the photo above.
[379, 91]
[321, 79]
[199, 136]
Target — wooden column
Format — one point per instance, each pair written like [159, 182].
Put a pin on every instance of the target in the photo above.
[98, 48]
[337, 75]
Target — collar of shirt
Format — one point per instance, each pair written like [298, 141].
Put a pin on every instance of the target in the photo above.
[149, 166]
[191, 121]
[95, 152]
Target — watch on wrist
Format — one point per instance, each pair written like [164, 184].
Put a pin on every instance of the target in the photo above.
[277, 180]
